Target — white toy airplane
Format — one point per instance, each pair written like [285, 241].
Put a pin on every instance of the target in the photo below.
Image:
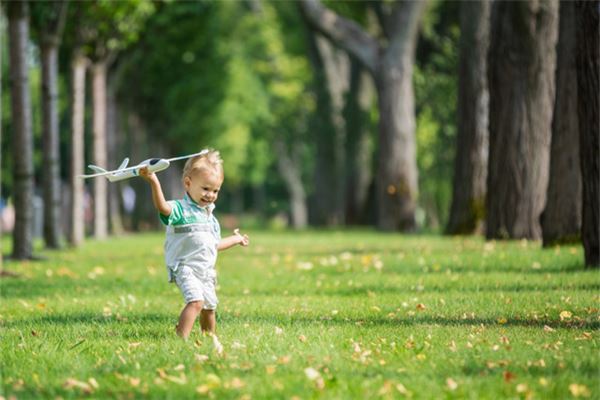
[124, 172]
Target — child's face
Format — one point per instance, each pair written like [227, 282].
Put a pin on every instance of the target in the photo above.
[203, 186]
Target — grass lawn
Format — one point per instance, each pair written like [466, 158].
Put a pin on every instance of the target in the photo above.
[317, 314]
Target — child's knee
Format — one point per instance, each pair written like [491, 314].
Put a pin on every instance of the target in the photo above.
[196, 306]
[208, 313]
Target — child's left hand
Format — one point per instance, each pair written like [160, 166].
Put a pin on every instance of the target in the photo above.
[244, 240]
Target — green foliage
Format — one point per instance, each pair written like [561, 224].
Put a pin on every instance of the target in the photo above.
[320, 314]
[243, 85]
[110, 26]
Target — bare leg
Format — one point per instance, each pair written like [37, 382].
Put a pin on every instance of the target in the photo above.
[208, 322]
[187, 318]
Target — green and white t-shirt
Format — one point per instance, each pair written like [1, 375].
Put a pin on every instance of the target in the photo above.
[193, 234]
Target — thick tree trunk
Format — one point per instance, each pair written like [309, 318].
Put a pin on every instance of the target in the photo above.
[330, 67]
[290, 171]
[22, 143]
[588, 89]
[391, 65]
[397, 170]
[561, 219]
[100, 149]
[471, 160]
[359, 171]
[78, 69]
[50, 135]
[521, 82]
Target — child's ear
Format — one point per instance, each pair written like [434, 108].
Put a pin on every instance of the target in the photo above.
[187, 182]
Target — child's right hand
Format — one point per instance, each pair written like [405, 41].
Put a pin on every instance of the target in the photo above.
[147, 175]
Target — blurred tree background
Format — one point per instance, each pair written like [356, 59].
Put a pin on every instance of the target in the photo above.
[297, 109]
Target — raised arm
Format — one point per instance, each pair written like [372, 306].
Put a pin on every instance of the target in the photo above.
[158, 198]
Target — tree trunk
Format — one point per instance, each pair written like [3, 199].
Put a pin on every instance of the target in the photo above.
[290, 171]
[1, 75]
[114, 158]
[397, 170]
[330, 68]
[391, 64]
[521, 81]
[561, 219]
[588, 63]
[50, 135]
[259, 199]
[78, 68]
[470, 164]
[22, 143]
[100, 148]
[359, 171]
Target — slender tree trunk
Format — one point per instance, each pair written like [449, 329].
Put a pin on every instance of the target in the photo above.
[359, 171]
[330, 68]
[50, 134]
[561, 219]
[259, 199]
[290, 171]
[1, 74]
[50, 28]
[22, 143]
[470, 166]
[140, 148]
[521, 81]
[78, 69]
[100, 149]
[588, 89]
[114, 158]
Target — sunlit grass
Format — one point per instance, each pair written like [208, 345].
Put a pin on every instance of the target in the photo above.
[317, 314]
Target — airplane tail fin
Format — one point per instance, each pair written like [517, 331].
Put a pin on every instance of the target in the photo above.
[124, 163]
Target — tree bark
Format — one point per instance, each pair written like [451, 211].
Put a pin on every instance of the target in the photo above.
[51, 155]
[78, 69]
[391, 66]
[471, 160]
[22, 143]
[330, 68]
[397, 169]
[561, 219]
[290, 171]
[114, 145]
[588, 63]
[521, 82]
[359, 171]
[1, 74]
[100, 148]
[50, 34]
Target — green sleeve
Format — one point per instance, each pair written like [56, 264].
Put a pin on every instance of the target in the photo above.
[176, 214]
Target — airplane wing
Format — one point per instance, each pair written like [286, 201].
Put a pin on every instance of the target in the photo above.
[114, 171]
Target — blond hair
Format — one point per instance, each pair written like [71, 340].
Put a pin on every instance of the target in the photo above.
[210, 161]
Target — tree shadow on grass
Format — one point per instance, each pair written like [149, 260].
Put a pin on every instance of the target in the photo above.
[409, 289]
[145, 325]
[403, 268]
[283, 320]
[126, 326]
[66, 286]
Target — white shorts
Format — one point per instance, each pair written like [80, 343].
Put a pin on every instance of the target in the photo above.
[197, 285]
